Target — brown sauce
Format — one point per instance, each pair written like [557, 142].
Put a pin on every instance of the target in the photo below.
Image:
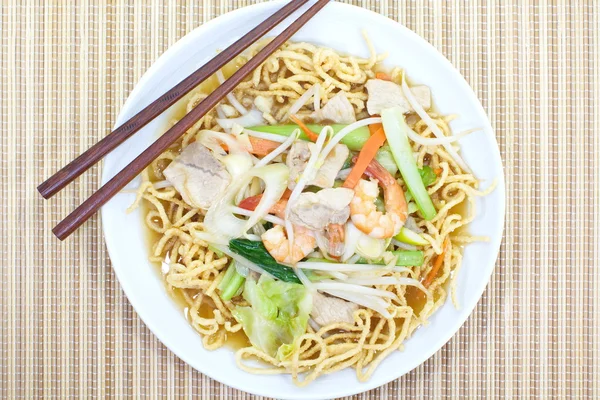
[415, 298]
[235, 340]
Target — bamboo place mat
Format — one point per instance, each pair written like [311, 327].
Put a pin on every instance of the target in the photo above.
[67, 330]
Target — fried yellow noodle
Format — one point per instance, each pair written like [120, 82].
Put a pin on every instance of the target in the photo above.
[194, 270]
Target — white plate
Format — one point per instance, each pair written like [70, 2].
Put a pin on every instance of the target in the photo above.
[338, 26]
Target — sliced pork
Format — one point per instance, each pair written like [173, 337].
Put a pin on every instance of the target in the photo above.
[298, 158]
[386, 94]
[317, 210]
[329, 310]
[198, 176]
[338, 110]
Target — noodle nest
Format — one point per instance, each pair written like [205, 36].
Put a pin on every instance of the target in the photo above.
[193, 270]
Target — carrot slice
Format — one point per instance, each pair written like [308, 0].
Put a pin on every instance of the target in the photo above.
[438, 171]
[383, 76]
[250, 203]
[437, 264]
[373, 128]
[260, 147]
[311, 135]
[365, 156]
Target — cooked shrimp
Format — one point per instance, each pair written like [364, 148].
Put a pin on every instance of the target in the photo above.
[277, 244]
[335, 233]
[363, 211]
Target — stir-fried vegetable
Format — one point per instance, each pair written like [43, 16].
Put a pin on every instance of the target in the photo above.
[220, 220]
[355, 140]
[365, 156]
[253, 117]
[312, 136]
[437, 264]
[262, 147]
[255, 252]
[250, 203]
[277, 317]
[383, 76]
[217, 252]
[404, 258]
[386, 159]
[428, 176]
[231, 283]
[395, 130]
[410, 237]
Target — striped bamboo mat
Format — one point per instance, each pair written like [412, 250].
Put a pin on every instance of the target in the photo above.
[67, 330]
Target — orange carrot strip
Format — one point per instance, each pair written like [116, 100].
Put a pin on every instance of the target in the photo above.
[373, 128]
[437, 264]
[311, 135]
[383, 76]
[260, 147]
[250, 203]
[365, 156]
[438, 171]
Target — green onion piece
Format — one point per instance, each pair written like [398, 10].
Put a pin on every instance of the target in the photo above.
[314, 276]
[321, 260]
[412, 208]
[395, 128]
[409, 258]
[410, 237]
[217, 252]
[354, 140]
[231, 283]
[386, 159]
[405, 258]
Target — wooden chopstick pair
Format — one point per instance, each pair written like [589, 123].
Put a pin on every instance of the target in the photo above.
[90, 157]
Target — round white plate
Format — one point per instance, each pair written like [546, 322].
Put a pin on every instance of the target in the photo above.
[337, 26]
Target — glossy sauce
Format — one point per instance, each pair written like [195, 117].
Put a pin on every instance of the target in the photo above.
[415, 297]
[235, 340]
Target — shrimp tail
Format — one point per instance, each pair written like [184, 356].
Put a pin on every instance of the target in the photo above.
[336, 235]
[376, 171]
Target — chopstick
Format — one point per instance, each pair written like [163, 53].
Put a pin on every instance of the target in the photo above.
[113, 186]
[95, 153]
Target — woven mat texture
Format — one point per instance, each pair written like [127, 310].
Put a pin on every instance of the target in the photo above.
[66, 328]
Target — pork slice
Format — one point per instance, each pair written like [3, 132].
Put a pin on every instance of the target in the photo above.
[317, 210]
[338, 110]
[328, 310]
[299, 155]
[386, 94]
[198, 176]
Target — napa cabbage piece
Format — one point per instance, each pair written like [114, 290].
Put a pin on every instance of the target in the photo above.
[277, 316]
